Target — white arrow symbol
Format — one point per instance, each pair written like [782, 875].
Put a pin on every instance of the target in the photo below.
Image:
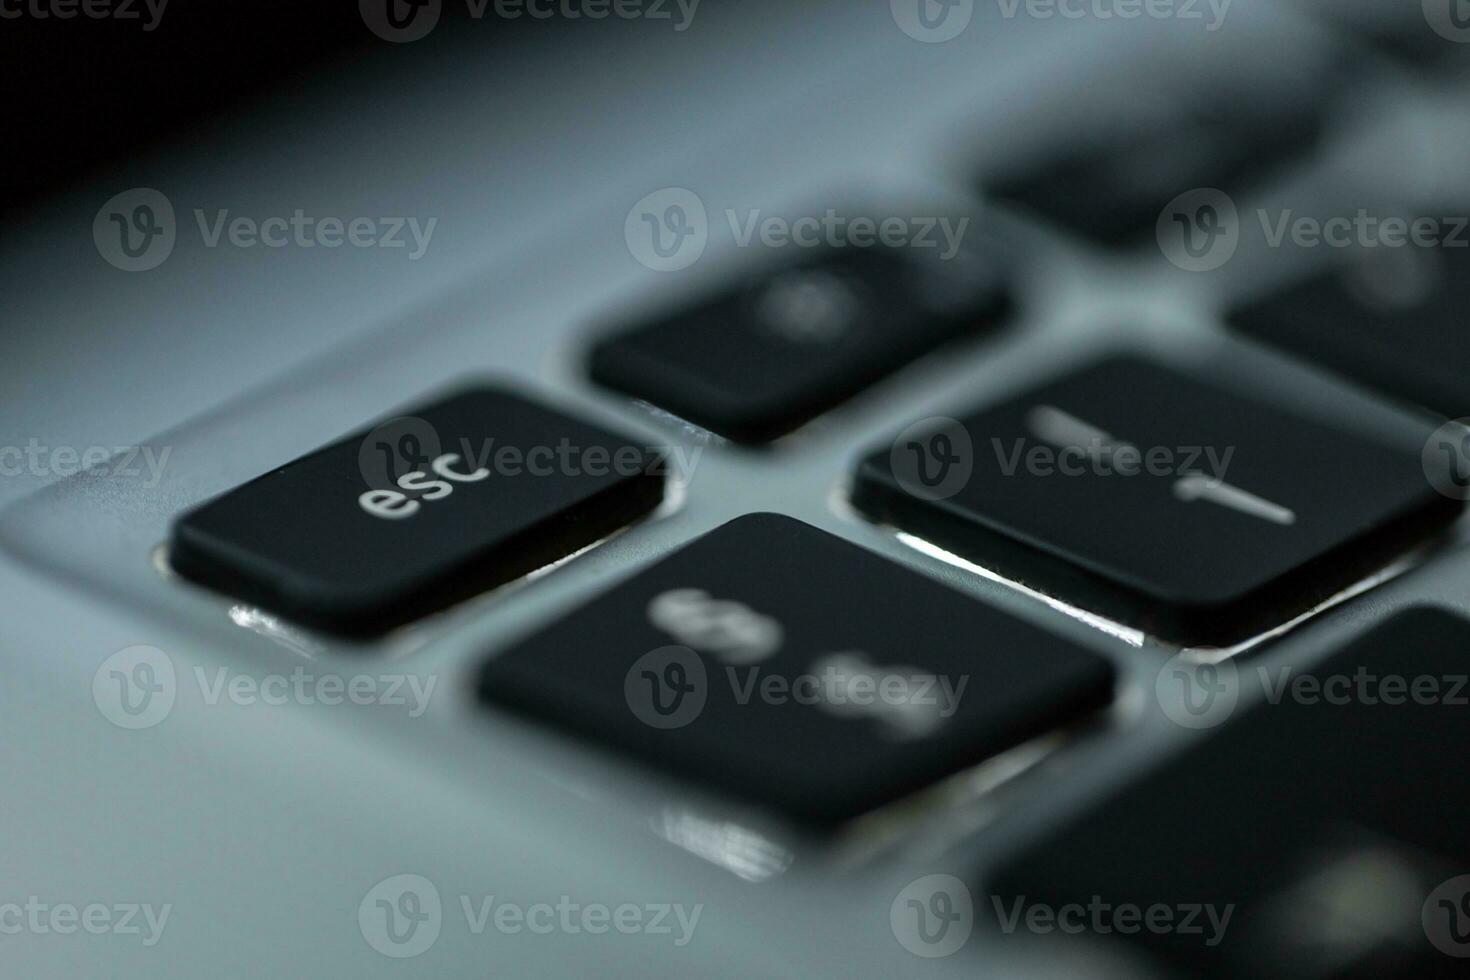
[1197, 486]
[1051, 424]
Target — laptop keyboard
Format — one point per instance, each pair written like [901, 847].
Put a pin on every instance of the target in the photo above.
[778, 667]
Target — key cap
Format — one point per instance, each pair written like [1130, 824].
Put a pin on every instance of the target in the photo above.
[427, 509]
[1156, 499]
[1110, 184]
[1391, 319]
[1324, 812]
[760, 358]
[786, 666]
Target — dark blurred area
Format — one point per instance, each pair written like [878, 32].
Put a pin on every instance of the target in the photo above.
[83, 91]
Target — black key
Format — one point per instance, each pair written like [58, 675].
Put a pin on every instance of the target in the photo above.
[1110, 183]
[1393, 319]
[785, 665]
[1156, 499]
[1326, 821]
[762, 357]
[389, 524]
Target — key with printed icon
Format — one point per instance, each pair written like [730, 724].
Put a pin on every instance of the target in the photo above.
[1304, 835]
[389, 524]
[1391, 318]
[790, 668]
[758, 358]
[1163, 501]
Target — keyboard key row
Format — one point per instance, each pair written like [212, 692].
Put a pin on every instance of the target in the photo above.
[782, 665]
[1167, 502]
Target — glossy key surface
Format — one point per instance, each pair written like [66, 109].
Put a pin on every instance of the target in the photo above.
[778, 663]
